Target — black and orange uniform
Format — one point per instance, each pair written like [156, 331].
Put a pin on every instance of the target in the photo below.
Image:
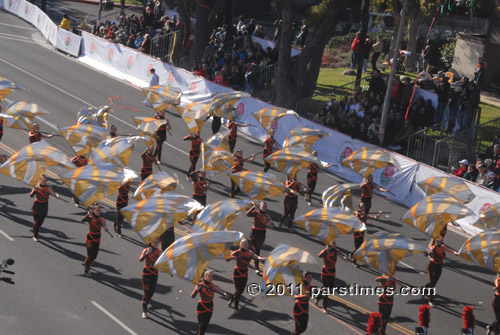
[149, 277]
[194, 152]
[495, 326]
[238, 167]
[329, 256]
[199, 189]
[112, 135]
[78, 161]
[233, 134]
[147, 164]
[205, 306]
[167, 238]
[290, 202]
[40, 206]
[121, 202]
[240, 274]
[435, 267]
[359, 235]
[258, 233]
[34, 136]
[386, 299]
[93, 239]
[1, 128]
[312, 179]
[366, 195]
[269, 143]
[161, 136]
[301, 309]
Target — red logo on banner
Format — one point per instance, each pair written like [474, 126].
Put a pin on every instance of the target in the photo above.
[240, 110]
[148, 74]
[485, 207]
[386, 175]
[130, 62]
[192, 89]
[68, 41]
[171, 78]
[274, 125]
[92, 47]
[347, 152]
[26, 9]
[10, 3]
[38, 19]
[111, 53]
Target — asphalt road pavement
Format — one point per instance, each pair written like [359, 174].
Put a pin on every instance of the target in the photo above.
[51, 295]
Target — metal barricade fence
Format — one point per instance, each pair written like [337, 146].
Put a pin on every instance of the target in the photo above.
[162, 46]
[311, 106]
[259, 82]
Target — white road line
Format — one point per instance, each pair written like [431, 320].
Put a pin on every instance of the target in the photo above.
[16, 36]
[114, 318]
[411, 267]
[17, 39]
[13, 25]
[6, 235]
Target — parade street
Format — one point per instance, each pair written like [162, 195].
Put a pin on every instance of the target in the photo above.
[51, 295]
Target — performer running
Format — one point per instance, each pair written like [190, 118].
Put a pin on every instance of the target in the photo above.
[329, 255]
[386, 299]
[40, 207]
[291, 201]
[261, 221]
[238, 167]
[35, 135]
[161, 134]
[147, 163]
[240, 274]
[269, 144]
[194, 152]
[121, 202]
[359, 235]
[78, 161]
[200, 185]
[367, 187]
[93, 239]
[312, 178]
[233, 134]
[301, 306]
[112, 131]
[437, 255]
[149, 273]
[495, 326]
[205, 306]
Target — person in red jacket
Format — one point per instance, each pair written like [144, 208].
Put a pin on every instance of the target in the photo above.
[40, 208]
[462, 169]
[240, 273]
[269, 144]
[147, 163]
[233, 125]
[205, 306]
[238, 167]
[93, 239]
[200, 186]
[355, 49]
[261, 221]
[149, 274]
[194, 152]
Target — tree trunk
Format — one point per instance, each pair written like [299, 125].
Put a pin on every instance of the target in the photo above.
[184, 32]
[285, 88]
[207, 12]
[298, 80]
[396, 13]
[413, 22]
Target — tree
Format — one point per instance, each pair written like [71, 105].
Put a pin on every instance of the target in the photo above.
[296, 80]
[184, 33]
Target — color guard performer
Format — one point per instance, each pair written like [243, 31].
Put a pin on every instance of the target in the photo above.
[495, 326]
[168, 236]
[1, 125]
[161, 134]
[205, 306]
[269, 144]
[240, 274]
[35, 135]
[386, 299]
[359, 235]
[233, 134]
[291, 201]
[112, 131]
[437, 255]
[78, 161]
[238, 167]
[301, 306]
[261, 221]
[200, 185]
[329, 255]
[194, 152]
[121, 202]
[93, 239]
[367, 187]
[147, 163]
[149, 273]
[312, 178]
[40, 207]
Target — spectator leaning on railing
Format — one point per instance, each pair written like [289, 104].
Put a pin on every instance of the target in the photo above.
[462, 168]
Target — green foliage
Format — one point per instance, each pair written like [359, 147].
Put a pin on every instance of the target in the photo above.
[317, 13]
[448, 52]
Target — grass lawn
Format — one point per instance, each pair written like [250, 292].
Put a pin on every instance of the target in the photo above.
[331, 78]
[130, 2]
